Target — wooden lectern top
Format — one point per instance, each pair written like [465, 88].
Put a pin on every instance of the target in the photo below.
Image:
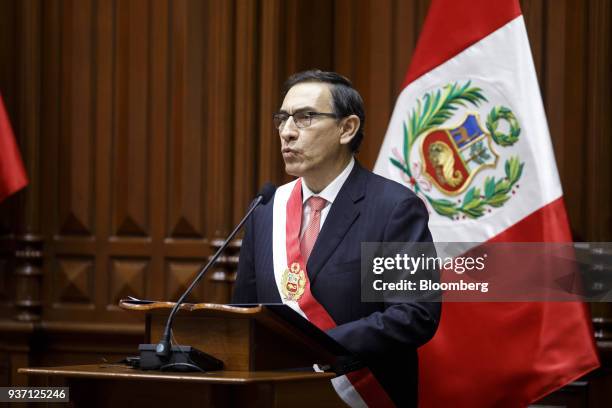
[245, 337]
[117, 371]
[213, 308]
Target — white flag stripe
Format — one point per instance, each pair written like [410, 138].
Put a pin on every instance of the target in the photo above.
[501, 65]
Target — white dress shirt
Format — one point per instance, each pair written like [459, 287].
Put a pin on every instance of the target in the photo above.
[329, 193]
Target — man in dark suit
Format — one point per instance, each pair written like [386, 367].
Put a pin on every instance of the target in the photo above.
[338, 205]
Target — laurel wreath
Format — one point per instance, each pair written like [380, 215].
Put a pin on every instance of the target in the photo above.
[503, 139]
[433, 110]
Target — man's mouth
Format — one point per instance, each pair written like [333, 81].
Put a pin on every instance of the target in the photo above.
[289, 152]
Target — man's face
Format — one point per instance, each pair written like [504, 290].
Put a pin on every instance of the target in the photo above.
[314, 149]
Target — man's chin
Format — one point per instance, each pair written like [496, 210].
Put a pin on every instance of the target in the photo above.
[293, 169]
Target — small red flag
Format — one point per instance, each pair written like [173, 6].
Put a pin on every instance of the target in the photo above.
[12, 173]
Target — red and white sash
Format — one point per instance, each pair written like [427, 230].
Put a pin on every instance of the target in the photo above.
[358, 388]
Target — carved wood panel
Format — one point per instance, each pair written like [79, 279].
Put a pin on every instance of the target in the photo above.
[146, 125]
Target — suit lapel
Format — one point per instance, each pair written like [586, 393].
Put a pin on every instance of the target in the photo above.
[343, 212]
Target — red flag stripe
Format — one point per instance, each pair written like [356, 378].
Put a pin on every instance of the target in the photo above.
[550, 362]
[548, 224]
[450, 28]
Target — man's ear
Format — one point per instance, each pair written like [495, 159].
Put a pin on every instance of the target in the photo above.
[349, 127]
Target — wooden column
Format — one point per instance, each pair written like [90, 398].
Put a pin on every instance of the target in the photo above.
[28, 276]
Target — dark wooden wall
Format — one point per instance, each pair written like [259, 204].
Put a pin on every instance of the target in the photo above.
[146, 128]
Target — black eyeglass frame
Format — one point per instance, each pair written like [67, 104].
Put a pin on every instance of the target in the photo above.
[280, 118]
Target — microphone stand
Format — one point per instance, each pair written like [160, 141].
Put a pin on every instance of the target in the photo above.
[186, 358]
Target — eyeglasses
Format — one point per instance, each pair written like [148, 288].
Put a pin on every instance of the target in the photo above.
[301, 119]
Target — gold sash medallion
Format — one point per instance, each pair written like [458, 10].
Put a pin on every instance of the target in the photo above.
[293, 282]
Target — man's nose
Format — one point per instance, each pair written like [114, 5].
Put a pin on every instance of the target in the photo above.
[288, 130]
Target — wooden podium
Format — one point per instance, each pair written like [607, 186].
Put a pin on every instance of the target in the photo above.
[261, 346]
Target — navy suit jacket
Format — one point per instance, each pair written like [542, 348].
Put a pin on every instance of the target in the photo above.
[368, 208]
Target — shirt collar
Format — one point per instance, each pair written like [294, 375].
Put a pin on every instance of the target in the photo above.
[330, 192]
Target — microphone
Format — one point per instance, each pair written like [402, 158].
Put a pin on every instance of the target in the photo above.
[186, 358]
[266, 193]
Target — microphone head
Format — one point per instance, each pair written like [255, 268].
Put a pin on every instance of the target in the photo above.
[266, 192]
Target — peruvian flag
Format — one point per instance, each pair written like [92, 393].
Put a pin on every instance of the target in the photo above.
[469, 136]
[12, 174]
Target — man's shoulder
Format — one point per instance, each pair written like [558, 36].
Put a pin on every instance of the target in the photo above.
[281, 195]
[384, 188]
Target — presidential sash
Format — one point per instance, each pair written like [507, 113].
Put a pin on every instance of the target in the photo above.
[358, 388]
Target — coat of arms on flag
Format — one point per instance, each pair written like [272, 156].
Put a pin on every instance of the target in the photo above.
[444, 158]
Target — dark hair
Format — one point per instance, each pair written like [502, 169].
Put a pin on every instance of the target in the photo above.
[345, 99]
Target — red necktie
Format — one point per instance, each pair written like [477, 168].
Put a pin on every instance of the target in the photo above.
[309, 238]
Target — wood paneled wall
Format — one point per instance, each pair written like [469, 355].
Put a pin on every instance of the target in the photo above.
[146, 129]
